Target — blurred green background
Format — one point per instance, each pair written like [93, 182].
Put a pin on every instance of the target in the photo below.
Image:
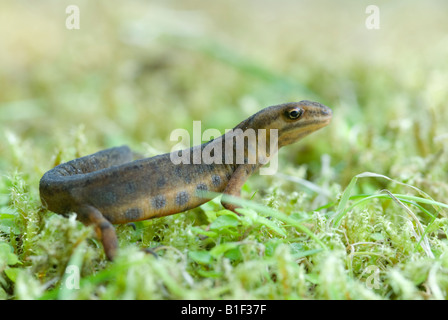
[137, 70]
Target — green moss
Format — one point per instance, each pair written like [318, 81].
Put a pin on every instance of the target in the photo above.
[369, 223]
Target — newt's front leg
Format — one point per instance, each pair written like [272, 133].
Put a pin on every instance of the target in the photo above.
[104, 229]
[237, 180]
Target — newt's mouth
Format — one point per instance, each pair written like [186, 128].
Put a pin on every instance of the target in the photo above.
[325, 115]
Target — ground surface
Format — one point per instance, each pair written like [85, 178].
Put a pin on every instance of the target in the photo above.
[134, 72]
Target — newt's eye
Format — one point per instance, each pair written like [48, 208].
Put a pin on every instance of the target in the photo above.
[294, 113]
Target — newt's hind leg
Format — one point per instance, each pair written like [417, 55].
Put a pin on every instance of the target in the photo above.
[104, 229]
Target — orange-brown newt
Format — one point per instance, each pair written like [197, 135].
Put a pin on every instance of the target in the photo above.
[110, 187]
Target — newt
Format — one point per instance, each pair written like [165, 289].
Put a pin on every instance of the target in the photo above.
[110, 187]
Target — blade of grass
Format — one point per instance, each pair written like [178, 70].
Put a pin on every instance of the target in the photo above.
[267, 211]
[425, 245]
[404, 198]
[340, 212]
[342, 208]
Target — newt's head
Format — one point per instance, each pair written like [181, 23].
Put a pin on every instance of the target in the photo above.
[299, 119]
[293, 120]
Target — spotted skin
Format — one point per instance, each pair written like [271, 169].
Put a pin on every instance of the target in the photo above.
[110, 187]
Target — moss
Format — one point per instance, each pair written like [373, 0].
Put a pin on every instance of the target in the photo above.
[341, 235]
